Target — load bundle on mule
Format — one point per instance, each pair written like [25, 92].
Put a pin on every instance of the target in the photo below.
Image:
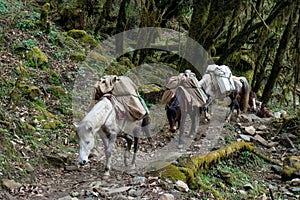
[126, 93]
[189, 84]
[222, 78]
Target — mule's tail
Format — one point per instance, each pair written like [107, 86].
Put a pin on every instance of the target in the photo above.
[246, 93]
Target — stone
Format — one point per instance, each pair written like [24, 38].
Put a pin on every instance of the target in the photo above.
[140, 180]
[166, 196]
[38, 57]
[248, 186]
[28, 167]
[262, 127]
[118, 190]
[246, 138]
[250, 130]
[261, 140]
[182, 186]
[243, 192]
[295, 181]
[67, 198]
[11, 184]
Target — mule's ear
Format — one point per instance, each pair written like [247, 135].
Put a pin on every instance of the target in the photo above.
[115, 78]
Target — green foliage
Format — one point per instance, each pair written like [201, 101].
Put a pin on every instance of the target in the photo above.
[25, 45]
[4, 7]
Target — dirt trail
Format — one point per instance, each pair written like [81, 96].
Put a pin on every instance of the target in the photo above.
[74, 181]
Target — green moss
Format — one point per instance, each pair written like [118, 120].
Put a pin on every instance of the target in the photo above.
[57, 91]
[78, 57]
[37, 57]
[173, 173]
[76, 34]
[88, 39]
[291, 167]
[34, 92]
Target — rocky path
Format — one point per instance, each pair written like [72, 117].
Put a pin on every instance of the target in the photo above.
[74, 182]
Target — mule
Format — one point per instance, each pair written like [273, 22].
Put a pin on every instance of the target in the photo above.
[177, 110]
[219, 83]
[104, 119]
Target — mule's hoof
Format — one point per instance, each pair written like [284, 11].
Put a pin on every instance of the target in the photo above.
[173, 129]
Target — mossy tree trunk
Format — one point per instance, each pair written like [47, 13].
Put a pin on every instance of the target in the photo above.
[278, 62]
[297, 62]
[105, 15]
[242, 37]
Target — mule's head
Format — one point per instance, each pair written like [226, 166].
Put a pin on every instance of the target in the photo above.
[86, 141]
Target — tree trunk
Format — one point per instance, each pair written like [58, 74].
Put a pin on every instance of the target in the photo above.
[239, 40]
[121, 26]
[277, 66]
[297, 62]
[105, 15]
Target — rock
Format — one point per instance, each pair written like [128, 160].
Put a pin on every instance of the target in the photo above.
[261, 140]
[243, 192]
[34, 92]
[140, 180]
[295, 181]
[248, 186]
[181, 186]
[276, 168]
[166, 196]
[272, 144]
[72, 168]
[262, 127]
[117, 190]
[227, 176]
[67, 198]
[291, 168]
[295, 189]
[37, 57]
[120, 197]
[29, 168]
[75, 194]
[246, 138]
[135, 193]
[11, 184]
[250, 130]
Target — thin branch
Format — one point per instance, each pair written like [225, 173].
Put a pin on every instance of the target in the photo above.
[263, 21]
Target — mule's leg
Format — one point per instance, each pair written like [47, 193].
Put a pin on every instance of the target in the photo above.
[128, 139]
[229, 114]
[181, 130]
[136, 148]
[194, 115]
[108, 152]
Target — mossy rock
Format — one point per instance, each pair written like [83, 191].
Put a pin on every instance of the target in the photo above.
[291, 168]
[29, 129]
[34, 92]
[57, 91]
[88, 39]
[82, 36]
[47, 119]
[151, 93]
[37, 57]
[172, 172]
[76, 34]
[78, 57]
